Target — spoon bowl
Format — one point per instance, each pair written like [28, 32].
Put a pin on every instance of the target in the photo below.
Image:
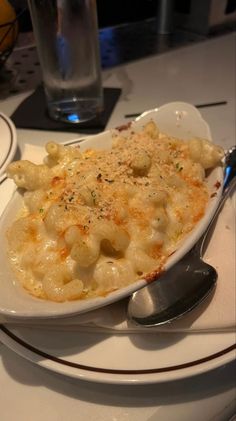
[175, 294]
[186, 284]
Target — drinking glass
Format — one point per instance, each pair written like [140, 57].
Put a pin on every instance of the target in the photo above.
[66, 34]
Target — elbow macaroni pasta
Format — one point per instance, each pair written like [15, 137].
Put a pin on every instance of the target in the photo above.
[96, 221]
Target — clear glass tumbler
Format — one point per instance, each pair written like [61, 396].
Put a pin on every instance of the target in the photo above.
[66, 35]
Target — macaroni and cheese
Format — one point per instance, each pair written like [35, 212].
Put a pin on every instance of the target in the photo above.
[96, 221]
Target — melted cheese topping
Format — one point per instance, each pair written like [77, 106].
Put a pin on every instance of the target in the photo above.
[97, 221]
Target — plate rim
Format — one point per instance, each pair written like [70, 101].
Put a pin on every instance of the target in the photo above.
[12, 145]
[115, 376]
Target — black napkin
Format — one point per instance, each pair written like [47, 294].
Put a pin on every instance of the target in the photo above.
[32, 114]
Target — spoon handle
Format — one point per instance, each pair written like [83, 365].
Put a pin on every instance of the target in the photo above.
[228, 186]
[229, 167]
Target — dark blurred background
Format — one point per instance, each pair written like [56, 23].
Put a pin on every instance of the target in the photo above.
[128, 30]
[200, 16]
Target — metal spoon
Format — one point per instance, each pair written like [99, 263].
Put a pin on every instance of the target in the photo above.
[187, 283]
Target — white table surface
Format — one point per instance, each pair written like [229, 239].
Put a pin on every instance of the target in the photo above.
[200, 73]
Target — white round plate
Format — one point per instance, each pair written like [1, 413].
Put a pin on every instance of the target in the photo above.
[177, 119]
[8, 142]
[121, 359]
